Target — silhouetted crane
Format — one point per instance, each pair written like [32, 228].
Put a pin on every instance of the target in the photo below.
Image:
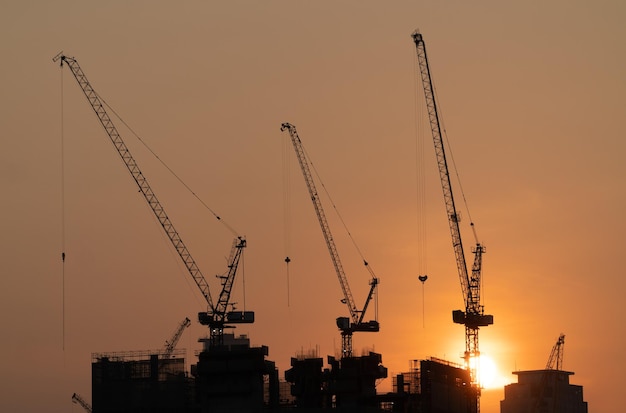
[170, 345]
[217, 315]
[474, 316]
[79, 400]
[346, 325]
[555, 361]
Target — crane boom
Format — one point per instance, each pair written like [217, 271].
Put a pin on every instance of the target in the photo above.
[355, 322]
[142, 183]
[79, 400]
[170, 345]
[555, 361]
[216, 316]
[473, 317]
[546, 398]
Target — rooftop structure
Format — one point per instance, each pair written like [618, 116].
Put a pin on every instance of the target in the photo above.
[433, 385]
[140, 381]
[543, 391]
[232, 377]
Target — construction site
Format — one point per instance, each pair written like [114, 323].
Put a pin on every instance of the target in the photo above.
[231, 375]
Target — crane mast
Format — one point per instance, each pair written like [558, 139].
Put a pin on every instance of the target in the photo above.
[346, 325]
[473, 317]
[217, 315]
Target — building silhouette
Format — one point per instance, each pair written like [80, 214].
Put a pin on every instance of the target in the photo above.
[543, 391]
[236, 377]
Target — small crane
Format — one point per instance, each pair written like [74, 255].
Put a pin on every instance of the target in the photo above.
[79, 400]
[547, 396]
[170, 345]
[474, 315]
[555, 361]
[217, 315]
[346, 325]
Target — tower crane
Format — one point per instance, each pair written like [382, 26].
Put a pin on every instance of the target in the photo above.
[79, 400]
[555, 361]
[170, 345]
[474, 316]
[354, 323]
[547, 396]
[217, 315]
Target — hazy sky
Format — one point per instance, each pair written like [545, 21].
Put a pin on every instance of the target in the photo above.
[533, 100]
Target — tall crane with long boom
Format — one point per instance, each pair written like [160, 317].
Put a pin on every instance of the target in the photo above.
[217, 315]
[355, 322]
[474, 315]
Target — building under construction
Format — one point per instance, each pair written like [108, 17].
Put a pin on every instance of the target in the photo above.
[237, 377]
[433, 385]
[226, 378]
[140, 381]
[348, 385]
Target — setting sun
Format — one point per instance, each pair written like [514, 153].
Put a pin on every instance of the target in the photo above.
[488, 374]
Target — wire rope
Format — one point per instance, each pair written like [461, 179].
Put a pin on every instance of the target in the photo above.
[422, 228]
[420, 179]
[454, 167]
[287, 209]
[460, 185]
[62, 126]
[243, 280]
[458, 181]
[170, 170]
[343, 223]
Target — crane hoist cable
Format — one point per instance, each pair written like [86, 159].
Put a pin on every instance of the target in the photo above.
[421, 252]
[218, 314]
[62, 216]
[170, 170]
[286, 211]
[354, 323]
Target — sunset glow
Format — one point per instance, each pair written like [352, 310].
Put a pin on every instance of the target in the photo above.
[531, 95]
[489, 375]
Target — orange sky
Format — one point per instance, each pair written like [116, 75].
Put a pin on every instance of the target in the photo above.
[532, 98]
